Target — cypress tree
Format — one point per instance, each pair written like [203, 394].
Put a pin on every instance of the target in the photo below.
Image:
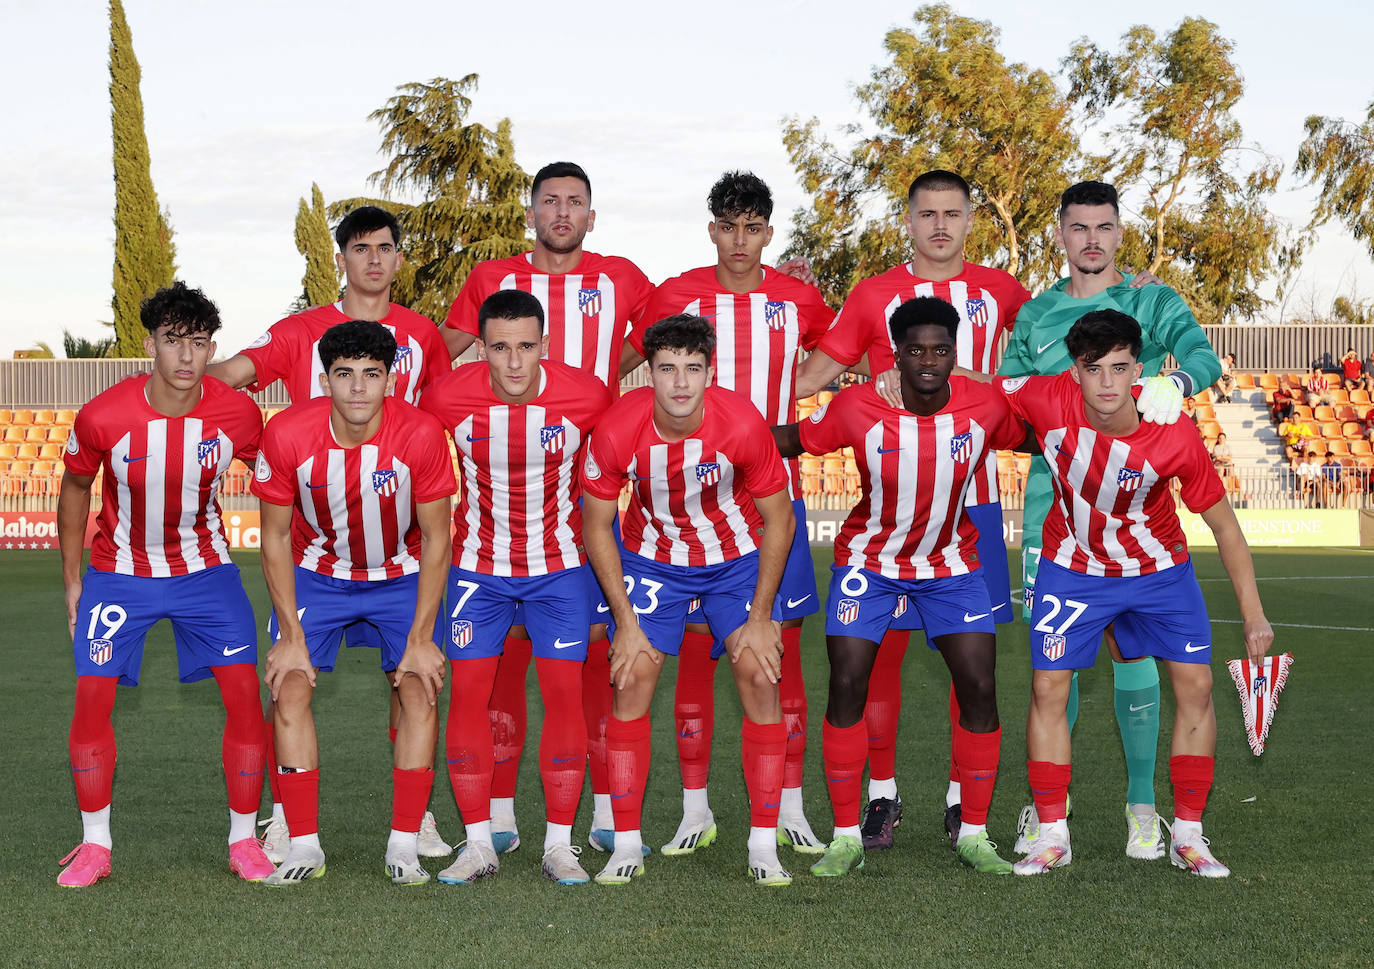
[313, 241]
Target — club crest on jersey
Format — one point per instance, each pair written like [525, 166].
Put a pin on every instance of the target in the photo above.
[1129, 479]
[101, 651]
[384, 482]
[589, 301]
[462, 632]
[847, 611]
[708, 474]
[404, 362]
[552, 438]
[694, 605]
[900, 609]
[1053, 647]
[775, 314]
[961, 447]
[977, 310]
[207, 454]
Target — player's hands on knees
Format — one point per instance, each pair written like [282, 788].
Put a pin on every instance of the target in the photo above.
[288, 655]
[763, 637]
[425, 660]
[889, 387]
[798, 267]
[628, 644]
[1259, 636]
[73, 600]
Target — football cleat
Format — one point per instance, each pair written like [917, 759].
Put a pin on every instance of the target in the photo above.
[695, 831]
[980, 854]
[431, 844]
[275, 838]
[603, 840]
[476, 860]
[249, 861]
[954, 818]
[843, 855]
[883, 814]
[623, 866]
[796, 832]
[1144, 840]
[768, 872]
[1027, 830]
[560, 865]
[504, 837]
[1190, 852]
[1046, 852]
[403, 867]
[90, 862]
[302, 863]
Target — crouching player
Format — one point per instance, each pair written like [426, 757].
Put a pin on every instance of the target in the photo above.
[354, 490]
[162, 440]
[709, 518]
[518, 423]
[1114, 552]
[910, 538]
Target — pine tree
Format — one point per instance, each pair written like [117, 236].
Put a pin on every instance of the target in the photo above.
[144, 252]
[313, 241]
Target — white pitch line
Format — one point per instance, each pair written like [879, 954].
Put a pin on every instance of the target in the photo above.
[1289, 578]
[1303, 625]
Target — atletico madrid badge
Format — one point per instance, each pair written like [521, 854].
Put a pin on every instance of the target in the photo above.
[1259, 685]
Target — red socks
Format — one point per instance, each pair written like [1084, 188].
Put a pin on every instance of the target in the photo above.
[596, 709]
[763, 748]
[1049, 784]
[694, 706]
[885, 704]
[627, 758]
[953, 728]
[91, 742]
[1192, 779]
[467, 738]
[300, 799]
[844, 750]
[563, 741]
[792, 692]
[409, 795]
[977, 756]
[244, 747]
[508, 716]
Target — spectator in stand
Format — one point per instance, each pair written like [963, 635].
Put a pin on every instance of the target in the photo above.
[1190, 409]
[1221, 455]
[1296, 433]
[1329, 493]
[1309, 473]
[1227, 381]
[1317, 391]
[1281, 407]
[1352, 370]
[1369, 372]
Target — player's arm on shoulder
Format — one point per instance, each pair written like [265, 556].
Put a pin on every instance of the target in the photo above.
[630, 358]
[238, 371]
[457, 341]
[1178, 330]
[1240, 568]
[73, 509]
[798, 267]
[818, 370]
[788, 439]
[423, 657]
[289, 653]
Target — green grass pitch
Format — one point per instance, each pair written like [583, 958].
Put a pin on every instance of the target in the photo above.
[1294, 825]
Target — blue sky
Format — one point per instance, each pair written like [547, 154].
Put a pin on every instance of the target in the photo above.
[248, 103]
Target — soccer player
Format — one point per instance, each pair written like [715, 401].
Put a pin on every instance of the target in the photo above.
[705, 479]
[1114, 553]
[1090, 232]
[369, 256]
[762, 319]
[161, 440]
[519, 425]
[909, 543]
[589, 303]
[354, 490]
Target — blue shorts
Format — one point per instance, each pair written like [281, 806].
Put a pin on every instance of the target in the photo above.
[992, 562]
[861, 603]
[212, 622]
[481, 609]
[661, 595]
[797, 593]
[1161, 614]
[326, 605]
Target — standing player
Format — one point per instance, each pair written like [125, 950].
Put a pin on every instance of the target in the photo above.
[1090, 232]
[705, 479]
[909, 538]
[354, 489]
[369, 256]
[519, 425]
[589, 302]
[762, 319]
[162, 440]
[1115, 553]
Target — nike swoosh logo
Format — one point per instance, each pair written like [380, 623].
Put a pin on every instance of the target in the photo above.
[1000, 605]
[802, 733]
[981, 615]
[238, 649]
[1045, 346]
[82, 770]
[565, 760]
[471, 438]
[250, 773]
[793, 603]
[603, 608]
[559, 644]
[617, 797]
[769, 807]
[129, 460]
[1143, 706]
[315, 487]
[888, 450]
[1190, 648]
[503, 760]
[689, 734]
[460, 760]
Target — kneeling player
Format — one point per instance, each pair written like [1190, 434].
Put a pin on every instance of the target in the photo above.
[1114, 552]
[163, 441]
[705, 477]
[518, 423]
[355, 490]
[910, 539]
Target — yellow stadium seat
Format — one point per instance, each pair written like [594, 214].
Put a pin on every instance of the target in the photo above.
[36, 435]
[43, 417]
[65, 417]
[23, 417]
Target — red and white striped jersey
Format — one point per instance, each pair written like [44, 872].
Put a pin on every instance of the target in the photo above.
[987, 300]
[354, 507]
[290, 352]
[691, 502]
[758, 335]
[914, 473]
[587, 312]
[517, 511]
[159, 512]
[1113, 511]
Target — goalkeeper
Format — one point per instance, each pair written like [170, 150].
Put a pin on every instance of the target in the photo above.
[1089, 232]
